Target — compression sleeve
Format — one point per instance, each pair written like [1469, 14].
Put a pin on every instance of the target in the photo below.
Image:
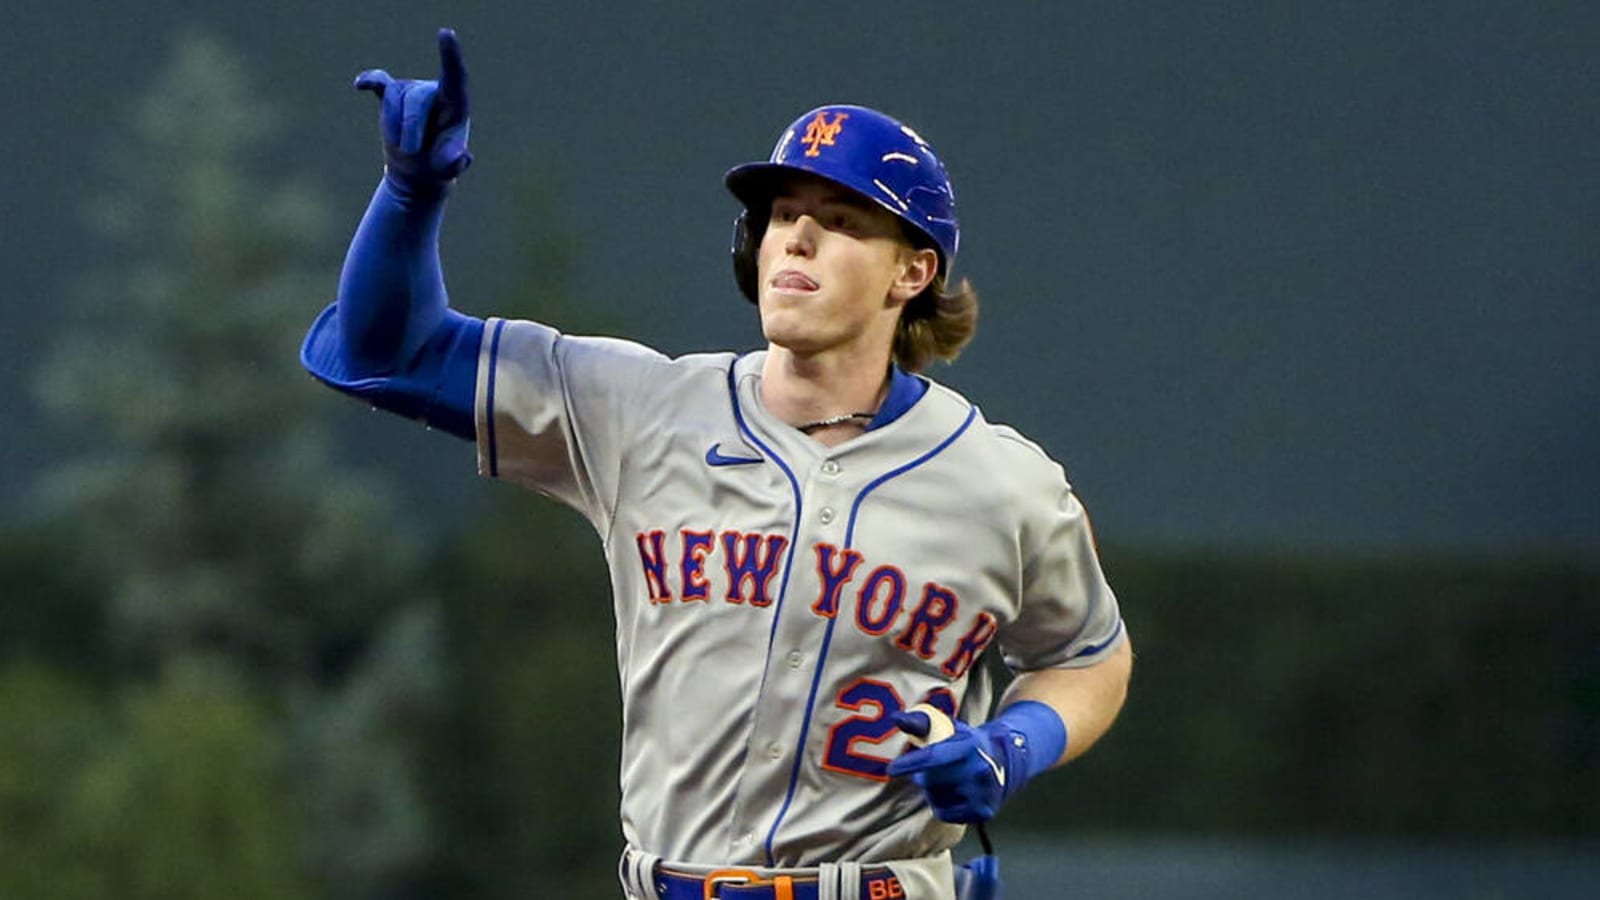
[391, 338]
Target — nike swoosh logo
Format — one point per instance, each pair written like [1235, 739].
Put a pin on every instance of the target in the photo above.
[714, 457]
[999, 773]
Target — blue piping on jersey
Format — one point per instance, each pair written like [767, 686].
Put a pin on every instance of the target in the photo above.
[827, 637]
[1096, 648]
[850, 530]
[494, 362]
[794, 487]
[788, 563]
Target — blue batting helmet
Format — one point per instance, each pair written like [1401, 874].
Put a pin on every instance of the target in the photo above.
[863, 150]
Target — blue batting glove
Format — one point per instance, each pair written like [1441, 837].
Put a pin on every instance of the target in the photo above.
[424, 123]
[967, 776]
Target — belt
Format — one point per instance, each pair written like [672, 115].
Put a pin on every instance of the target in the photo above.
[744, 884]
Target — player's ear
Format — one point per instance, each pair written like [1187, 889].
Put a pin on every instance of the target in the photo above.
[918, 267]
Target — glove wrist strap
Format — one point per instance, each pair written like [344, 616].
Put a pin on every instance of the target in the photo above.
[1037, 740]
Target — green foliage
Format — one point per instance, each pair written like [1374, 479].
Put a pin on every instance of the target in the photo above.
[1350, 696]
[190, 801]
[48, 610]
[528, 774]
[210, 523]
[52, 727]
[175, 792]
[184, 363]
[525, 768]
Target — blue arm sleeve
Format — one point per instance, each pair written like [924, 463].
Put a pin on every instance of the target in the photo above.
[391, 338]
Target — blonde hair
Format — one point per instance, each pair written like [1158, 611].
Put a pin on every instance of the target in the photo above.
[935, 325]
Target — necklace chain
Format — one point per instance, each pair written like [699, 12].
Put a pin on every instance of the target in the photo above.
[809, 427]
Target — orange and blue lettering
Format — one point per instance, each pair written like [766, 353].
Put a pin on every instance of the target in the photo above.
[874, 621]
[841, 754]
[654, 558]
[833, 577]
[972, 643]
[936, 610]
[745, 562]
[696, 545]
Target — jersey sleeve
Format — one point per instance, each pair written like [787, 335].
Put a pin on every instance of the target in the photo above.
[554, 411]
[1068, 615]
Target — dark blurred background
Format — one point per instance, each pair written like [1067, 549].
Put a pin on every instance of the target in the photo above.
[1302, 294]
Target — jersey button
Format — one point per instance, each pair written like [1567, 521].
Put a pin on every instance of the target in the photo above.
[826, 515]
[831, 467]
[795, 659]
[774, 751]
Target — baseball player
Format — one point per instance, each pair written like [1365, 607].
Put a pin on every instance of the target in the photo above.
[811, 546]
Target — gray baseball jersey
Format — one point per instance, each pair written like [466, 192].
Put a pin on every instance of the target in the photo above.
[776, 600]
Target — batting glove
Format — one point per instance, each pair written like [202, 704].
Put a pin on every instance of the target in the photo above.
[967, 776]
[424, 123]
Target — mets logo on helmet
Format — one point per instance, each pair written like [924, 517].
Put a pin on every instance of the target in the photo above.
[820, 132]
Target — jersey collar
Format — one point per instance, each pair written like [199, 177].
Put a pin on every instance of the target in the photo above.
[905, 390]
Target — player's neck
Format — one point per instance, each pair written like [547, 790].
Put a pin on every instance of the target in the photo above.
[805, 390]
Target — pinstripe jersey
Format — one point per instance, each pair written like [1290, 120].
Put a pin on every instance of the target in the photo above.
[777, 600]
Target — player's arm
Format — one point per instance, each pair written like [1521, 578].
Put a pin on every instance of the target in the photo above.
[1072, 659]
[391, 338]
[1086, 699]
[1046, 718]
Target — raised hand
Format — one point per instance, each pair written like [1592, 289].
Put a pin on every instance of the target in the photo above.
[424, 123]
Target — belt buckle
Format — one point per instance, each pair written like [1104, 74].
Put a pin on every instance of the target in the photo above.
[782, 885]
[714, 881]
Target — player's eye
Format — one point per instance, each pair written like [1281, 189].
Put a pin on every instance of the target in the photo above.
[784, 213]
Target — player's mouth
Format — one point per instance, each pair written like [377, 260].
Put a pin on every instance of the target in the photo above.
[792, 281]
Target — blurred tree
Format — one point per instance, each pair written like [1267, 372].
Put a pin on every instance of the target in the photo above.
[52, 725]
[81, 787]
[209, 516]
[194, 760]
[526, 774]
[48, 610]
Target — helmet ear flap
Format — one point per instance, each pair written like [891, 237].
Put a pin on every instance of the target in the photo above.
[747, 236]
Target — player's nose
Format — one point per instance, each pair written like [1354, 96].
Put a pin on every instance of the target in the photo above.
[801, 238]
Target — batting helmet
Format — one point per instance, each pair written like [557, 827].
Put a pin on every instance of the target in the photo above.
[861, 149]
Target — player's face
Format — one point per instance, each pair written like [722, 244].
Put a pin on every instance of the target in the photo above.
[835, 269]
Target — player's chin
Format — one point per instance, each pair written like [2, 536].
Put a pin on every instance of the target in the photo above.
[785, 326]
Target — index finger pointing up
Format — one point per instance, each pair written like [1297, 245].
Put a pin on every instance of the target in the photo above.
[452, 71]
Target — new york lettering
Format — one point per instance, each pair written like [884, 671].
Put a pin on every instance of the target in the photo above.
[741, 567]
